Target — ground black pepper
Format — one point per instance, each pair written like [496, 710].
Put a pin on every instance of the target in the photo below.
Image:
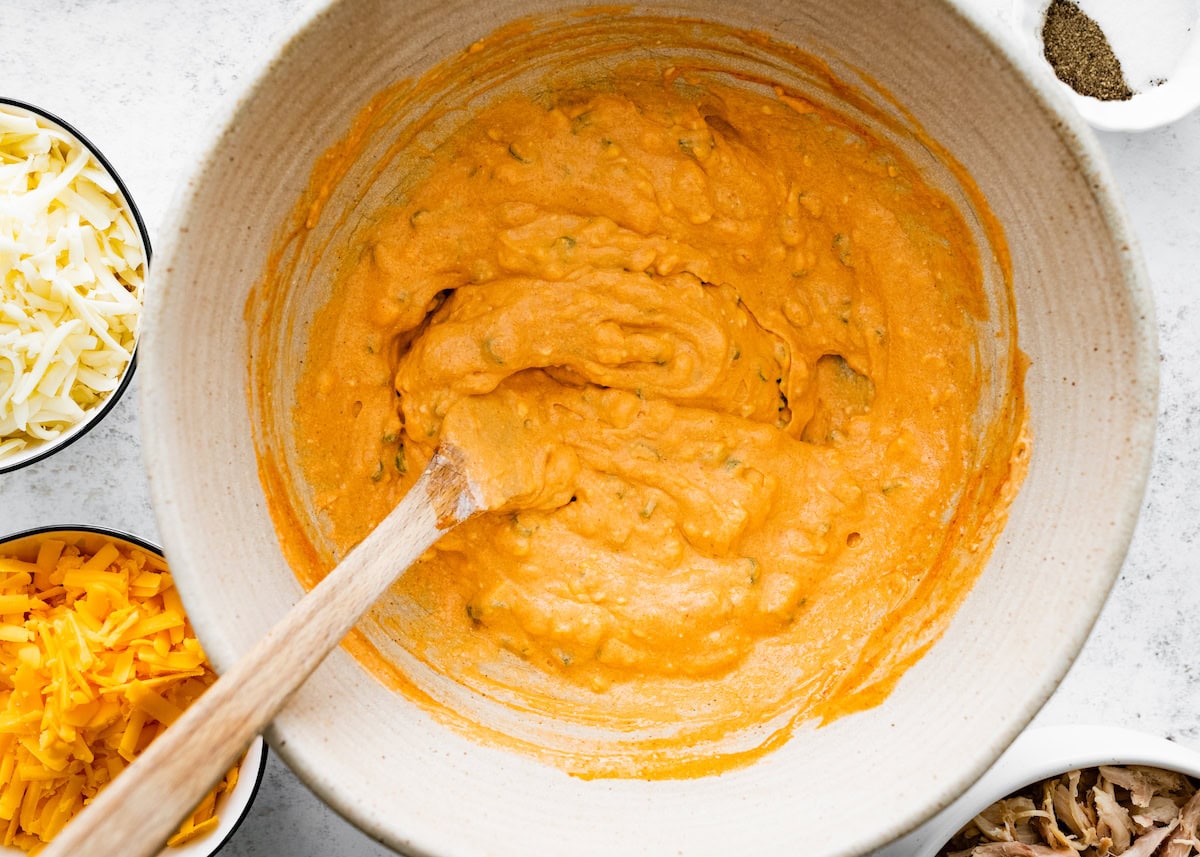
[1080, 55]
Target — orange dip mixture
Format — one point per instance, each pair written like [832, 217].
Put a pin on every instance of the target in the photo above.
[731, 341]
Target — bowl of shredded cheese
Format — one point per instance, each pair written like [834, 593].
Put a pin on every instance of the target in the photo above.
[97, 657]
[73, 259]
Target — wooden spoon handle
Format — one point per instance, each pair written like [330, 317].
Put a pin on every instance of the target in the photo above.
[135, 814]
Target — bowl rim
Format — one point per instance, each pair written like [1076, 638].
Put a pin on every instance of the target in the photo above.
[257, 752]
[78, 430]
[1078, 139]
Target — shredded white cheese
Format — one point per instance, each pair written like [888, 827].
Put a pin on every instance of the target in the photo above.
[71, 271]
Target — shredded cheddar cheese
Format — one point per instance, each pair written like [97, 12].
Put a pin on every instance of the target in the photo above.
[96, 659]
[71, 271]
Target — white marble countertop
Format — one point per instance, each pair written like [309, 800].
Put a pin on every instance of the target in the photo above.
[144, 79]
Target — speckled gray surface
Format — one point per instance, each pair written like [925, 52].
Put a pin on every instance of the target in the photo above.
[144, 79]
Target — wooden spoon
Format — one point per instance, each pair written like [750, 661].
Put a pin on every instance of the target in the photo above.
[140, 809]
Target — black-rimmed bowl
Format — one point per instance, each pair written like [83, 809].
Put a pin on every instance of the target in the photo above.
[233, 807]
[39, 450]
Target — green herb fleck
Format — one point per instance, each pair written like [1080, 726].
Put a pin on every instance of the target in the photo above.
[378, 474]
[401, 464]
[841, 246]
[581, 121]
[512, 150]
[489, 351]
[649, 508]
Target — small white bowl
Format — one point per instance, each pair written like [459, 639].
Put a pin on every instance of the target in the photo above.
[36, 451]
[1037, 755]
[1151, 106]
[233, 806]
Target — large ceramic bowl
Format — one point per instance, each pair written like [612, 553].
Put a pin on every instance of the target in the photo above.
[1085, 320]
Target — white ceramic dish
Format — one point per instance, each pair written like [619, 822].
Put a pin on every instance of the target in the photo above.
[233, 806]
[1086, 321]
[36, 451]
[1036, 755]
[1152, 105]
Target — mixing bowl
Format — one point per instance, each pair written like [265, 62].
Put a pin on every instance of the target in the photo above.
[1085, 321]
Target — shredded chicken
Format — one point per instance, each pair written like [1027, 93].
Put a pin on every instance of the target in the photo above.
[1184, 841]
[1148, 843]
[1110, 811]
[1162, 810]
[1014, 849]
[1075, 814]
[1113, 818]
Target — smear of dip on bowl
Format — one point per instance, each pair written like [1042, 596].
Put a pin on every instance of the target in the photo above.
[779, 410]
